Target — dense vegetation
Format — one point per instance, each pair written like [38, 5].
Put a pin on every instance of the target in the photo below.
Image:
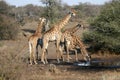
[103, 35]
[8, 27]
[105, 29]
[11, 17]
[52, 9]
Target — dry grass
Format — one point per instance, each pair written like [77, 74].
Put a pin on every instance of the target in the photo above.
[17, 68]
[14, 65]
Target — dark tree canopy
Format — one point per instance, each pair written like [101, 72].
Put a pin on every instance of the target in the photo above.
[105, 29]
[52, 9]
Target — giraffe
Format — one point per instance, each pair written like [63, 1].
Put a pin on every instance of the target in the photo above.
[75, 41]
[54, 34]
[35, 39]
[71, 42]
[66, 34]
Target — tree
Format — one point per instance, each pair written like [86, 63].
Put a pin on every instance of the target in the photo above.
[8, 27]
[3, 7]
[86, 10]
[52, 9]
[105, 29]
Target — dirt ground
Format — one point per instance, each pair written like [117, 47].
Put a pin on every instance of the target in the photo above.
[14, 64]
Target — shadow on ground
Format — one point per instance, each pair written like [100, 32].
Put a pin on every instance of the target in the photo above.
[29, 30]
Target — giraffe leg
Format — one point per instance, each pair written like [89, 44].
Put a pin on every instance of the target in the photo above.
[43, 56]
[34, 56]
[37, 52]
[31, 53]
[31, 57]
[58, 58]
[62, 45]
[68, 57]
[76, 55]
[58, 49]
[61, 53]
[62, 56]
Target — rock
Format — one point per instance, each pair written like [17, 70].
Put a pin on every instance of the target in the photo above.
[53, 69]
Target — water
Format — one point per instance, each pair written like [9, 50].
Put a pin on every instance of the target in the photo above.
[99, 64]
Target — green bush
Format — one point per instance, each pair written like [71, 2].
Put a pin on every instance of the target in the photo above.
[105, 29]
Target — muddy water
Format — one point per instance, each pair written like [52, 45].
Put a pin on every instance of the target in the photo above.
[107, 64]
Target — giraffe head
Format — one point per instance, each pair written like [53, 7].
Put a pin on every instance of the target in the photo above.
[45, 23]
[42, 19]
[88, 58]
[72, 12]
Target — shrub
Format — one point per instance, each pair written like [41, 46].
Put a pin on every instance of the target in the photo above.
[8, 26]
[105, 29]
[8, 32]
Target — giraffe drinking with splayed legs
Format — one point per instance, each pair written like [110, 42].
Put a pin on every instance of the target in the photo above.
[71, 41]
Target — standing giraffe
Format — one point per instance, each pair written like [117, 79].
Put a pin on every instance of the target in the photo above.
[71, 41]
[35, 39]
[54, 34]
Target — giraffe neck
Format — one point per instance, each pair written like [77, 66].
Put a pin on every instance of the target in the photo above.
[63, 22]
[73, 29]
[47, 26]
[79, 42]
[39, 28]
